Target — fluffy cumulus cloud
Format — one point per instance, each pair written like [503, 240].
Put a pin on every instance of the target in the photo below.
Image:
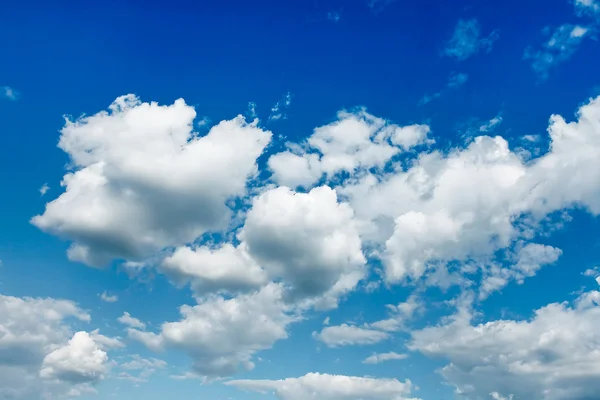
[330, 387]
[222, 335]
[355, 141]
[80, 361]
[552, 356]
[36, 356]
[465, 205]
[467, 41]
[130, 192]
[309, 240]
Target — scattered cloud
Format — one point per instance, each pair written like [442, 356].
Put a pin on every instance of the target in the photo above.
[349, 335]
[333, 16]
[9, 93]
[553, 354]
[278, 111]
[330, 387]
[44, 189]
[109, 298]
[379, 5]
[127, 319]
[379, 358]
[467, 41]
[455, 81]
[561, 45]
[34, 344]
[491, 124]
[222, 335]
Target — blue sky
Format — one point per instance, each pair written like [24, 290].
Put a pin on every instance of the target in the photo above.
[354, 200]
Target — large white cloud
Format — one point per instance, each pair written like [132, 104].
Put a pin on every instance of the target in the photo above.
[330, 387]
[472, 202]
[145, 180]
[222, 335]
[307, 240]
[552, 356]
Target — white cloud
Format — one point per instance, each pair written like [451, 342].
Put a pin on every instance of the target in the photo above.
[278, 110]
[9, 93]
[491, 124]
[588, 6]
[563, 43]
[127, 319]
[348, 335]
[44, 189]
[552, 356]
[307, 239]
[227, 268]
[143, 367]
[222, 335]
[131, 193]
[466, 40]
[31, 328]
[80, 361]
[528, 259]
[465, 205]
[333, 16]
[382, 357]
[105, 342]
[330, 387]
[109, 298]
[355, 141]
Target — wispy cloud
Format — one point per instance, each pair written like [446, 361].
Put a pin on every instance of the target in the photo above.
[589, 7]
[44, 189]
[9, 93]
[278, 110]
[378, 5]
[561, 46]
[467, 41]
[108, 298]
[455, 80]
[333, 16]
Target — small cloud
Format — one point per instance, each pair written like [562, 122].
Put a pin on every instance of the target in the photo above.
[44, 189]
[379, 358]
[379, 5]
[252, 109]
[278, 110]
[455, 80]
[491, 124]
[326, 321]
[108, 298]
[466, 40]
[561, 46]
[333, 16]
[9, 93]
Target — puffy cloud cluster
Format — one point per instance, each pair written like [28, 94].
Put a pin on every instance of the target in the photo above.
[472, 202]
[145, 185]
[552, 356]
[309, 240]
[222, 335]
[356, 141]
[144, 180]
[330, 387]
[35, 354]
